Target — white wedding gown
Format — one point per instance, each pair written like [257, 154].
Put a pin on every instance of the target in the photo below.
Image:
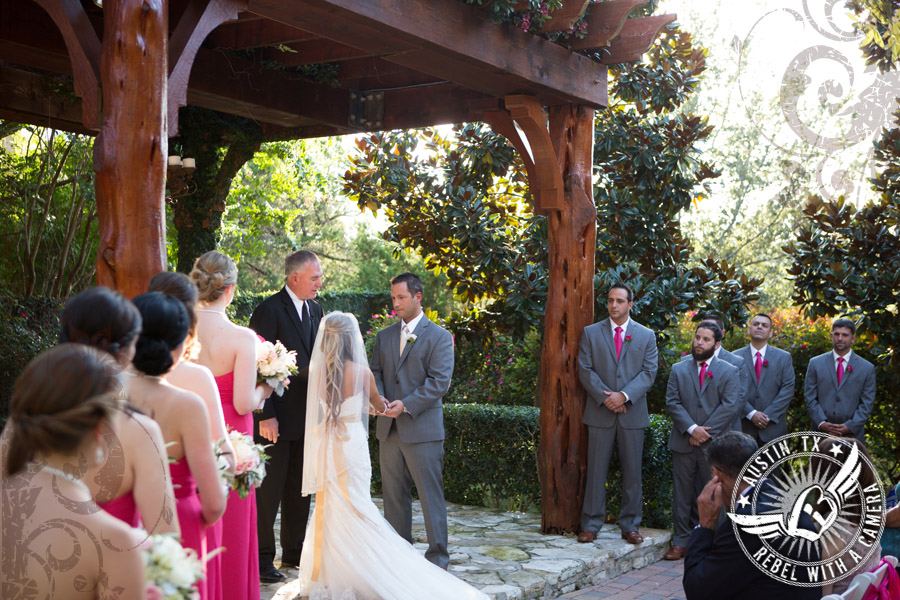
[350, 551]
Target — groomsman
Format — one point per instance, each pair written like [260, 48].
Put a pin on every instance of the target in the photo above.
[291, 316]
[770, 372]
[723, 354]
[412, 362]
[703, 399]
[617, 364]
[840, 386]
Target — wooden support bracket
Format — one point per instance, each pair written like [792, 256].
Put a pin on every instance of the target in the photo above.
[565, 16]
[198, 21]
[83, 46]
[542, 166]
[604, 23]
[635, 38]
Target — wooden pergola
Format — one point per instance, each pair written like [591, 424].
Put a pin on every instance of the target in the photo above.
[401, 64]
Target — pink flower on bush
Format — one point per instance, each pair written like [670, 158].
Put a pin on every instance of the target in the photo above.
[23, 315]
[803, 346]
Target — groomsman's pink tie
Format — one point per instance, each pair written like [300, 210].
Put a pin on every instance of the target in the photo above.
[840, 372]
[618, 343]
[758, 366]
[702, 373]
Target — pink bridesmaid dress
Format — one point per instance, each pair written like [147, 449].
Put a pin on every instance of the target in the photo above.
[123, 508]
[190, 515]
[240, 560]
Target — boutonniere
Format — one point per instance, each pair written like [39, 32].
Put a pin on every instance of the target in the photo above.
[765, 364]
[709, 375]
[627, 338]
[411, 339]
[849, 369]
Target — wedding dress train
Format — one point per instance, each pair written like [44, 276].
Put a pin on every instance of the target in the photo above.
[351, 552]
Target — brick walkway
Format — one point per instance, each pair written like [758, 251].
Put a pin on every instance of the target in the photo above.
[659, 581]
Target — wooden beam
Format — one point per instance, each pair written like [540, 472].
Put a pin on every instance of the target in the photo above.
[312, 52]
[130, 151]
[376, 73]
[197, 21]
[571, 239]
[604, 23]
[256, 33]
[27, 97]
[459, 44]
[83, 47]
[635, 39]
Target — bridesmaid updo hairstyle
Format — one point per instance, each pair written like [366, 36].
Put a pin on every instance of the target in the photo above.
[180, 287]
[102, 318]
[211, 273]
[166, 325]
[59, 400]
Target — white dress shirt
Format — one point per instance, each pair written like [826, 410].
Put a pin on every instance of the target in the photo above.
[762, 358]
[298, 303]
[624, 326]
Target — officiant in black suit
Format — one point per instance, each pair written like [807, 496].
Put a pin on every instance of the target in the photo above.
[292, 317]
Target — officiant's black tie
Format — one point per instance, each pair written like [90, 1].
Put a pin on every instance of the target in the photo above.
[306, 326]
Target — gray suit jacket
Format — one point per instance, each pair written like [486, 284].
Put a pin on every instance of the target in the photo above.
[420, 378]
[850, 403]
[633, 373]
[772, 394]
[715, 406]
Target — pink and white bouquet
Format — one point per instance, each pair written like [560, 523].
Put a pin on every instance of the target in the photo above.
[275, 364]
[171, 569]
[250, 463]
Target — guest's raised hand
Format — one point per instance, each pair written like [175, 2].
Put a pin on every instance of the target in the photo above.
[709, 503]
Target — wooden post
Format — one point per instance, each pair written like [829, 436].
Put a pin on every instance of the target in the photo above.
[131, 150]
[562, 456]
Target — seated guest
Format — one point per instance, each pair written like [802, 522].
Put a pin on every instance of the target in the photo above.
[715, 565]
[54, 540]
[133, 482]
[890, 538]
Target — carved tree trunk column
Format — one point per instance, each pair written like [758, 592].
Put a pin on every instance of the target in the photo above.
[562, 456]
[130, 151]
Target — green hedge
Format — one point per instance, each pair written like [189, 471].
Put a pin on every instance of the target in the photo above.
[27, 327]
[490, 459]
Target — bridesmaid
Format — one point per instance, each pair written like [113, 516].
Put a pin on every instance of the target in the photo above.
[133, 482]
[54, 541]
[181, 416]
[229, 351]
[198, 379]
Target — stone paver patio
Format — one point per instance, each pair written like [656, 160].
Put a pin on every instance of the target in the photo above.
[659, 581]
[505, 555]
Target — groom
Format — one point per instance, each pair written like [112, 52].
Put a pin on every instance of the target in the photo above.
[412, 362]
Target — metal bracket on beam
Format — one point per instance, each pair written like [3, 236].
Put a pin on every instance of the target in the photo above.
[366, 110]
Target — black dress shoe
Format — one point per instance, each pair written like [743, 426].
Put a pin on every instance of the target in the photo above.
[286, 564]
[269, 574]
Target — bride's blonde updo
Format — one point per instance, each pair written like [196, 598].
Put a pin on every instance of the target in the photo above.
[211, 273]
[338, 331]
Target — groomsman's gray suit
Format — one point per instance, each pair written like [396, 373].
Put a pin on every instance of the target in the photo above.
[412, 445]
[716, 406]
[850, 403]
[772, 394]
[633, 373]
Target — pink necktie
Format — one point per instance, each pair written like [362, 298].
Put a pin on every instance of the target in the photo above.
[758, 366]
[840, 372]
[618, 343]
[702, 373]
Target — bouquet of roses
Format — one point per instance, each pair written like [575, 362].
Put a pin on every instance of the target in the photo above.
[250, 460]
[275, 364]
[171, 570]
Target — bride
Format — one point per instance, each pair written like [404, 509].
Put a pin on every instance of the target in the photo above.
[350, 551]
